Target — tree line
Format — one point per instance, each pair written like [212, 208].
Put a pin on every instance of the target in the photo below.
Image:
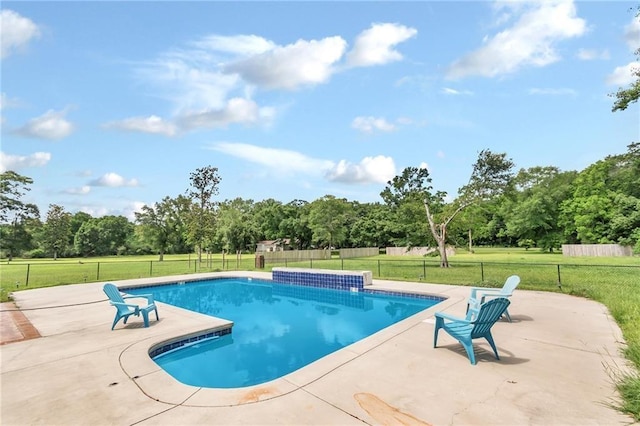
[537, 207]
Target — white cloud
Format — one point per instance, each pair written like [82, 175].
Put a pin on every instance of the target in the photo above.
[127, 209]
[152, 124]
[190, 79]
[291, 66]
[236, 110]
[85, 189]
[528, 42]
[450, 91]
[378, 169]
[424, 165]
[18, 162]
[551, 91]
[632, 34]
[591, 54]
[130, 210]
[113, 180]
[627, 74]
[7, 102]
[370, 124]
[281, 160]
[16, 32]
[51, 125]
[440, 154]
[244, 45]
[375, 46]
[624, 75]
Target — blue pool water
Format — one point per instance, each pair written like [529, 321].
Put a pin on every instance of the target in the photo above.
[278, 328]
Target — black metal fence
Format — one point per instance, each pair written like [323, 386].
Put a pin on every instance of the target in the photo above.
[551, 276]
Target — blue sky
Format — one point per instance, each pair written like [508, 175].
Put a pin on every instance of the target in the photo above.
[111, 105]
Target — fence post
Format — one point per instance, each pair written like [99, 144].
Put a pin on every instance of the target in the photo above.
[482, 271]
[342, 263]
[311, 263]
[28, 268]
[151, 268]
[379, 276]
[424, 269]
[559, 280]
[98, 272]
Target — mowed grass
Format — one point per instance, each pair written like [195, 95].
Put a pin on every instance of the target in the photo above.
[613, 281]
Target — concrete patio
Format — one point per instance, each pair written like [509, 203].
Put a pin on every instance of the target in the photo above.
[556, 359]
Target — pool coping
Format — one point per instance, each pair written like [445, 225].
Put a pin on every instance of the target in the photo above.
[556, 363]
[159, 385]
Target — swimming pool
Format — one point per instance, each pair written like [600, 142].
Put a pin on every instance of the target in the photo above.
[278, 328]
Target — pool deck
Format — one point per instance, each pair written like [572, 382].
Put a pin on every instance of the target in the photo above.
[557, 357]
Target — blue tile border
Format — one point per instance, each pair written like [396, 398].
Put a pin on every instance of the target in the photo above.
[187, 340]
[336, 280]
[404, 294]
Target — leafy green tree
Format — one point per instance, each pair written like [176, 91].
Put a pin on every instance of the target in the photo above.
[237, 231]
[161, 225]
[201, 218]
[107, 235]
[603, 204]
[267, 216]
[491, 176]
[77, 219]
[114, 233]
[87, 241]
[404, 195]
[372, 226]
[56, 230]
[15, 214]
[535, 216]
[328, 217]
[295, 224]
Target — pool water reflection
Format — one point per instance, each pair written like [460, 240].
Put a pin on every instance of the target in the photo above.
[278, 328]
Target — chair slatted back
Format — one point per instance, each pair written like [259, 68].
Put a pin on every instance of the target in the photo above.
[489, 313]
[114, 295]
[510, 285]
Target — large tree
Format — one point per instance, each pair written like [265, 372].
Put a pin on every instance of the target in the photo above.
[534, 215]
[295, 224]
[404, 196]
[491, 175]
[56, 231]
[201, 219]
[162, 224]
[236, 229]
[328, 218]
[15, 214]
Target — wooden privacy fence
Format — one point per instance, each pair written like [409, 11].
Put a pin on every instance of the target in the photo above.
[596, 250]
[294, 255]
[348, 253]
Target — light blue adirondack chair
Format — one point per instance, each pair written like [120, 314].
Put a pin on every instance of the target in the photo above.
[465, 330]
[124, 310]
[479, 295]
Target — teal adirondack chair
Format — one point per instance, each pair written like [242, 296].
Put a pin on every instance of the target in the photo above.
[465, 330]
[124, 310]
[479, 295]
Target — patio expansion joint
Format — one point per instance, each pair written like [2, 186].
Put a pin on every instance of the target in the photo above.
[557, 345]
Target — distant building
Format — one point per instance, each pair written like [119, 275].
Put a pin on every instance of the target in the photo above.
[281, 244]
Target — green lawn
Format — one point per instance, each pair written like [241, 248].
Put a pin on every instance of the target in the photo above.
[613, 281]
